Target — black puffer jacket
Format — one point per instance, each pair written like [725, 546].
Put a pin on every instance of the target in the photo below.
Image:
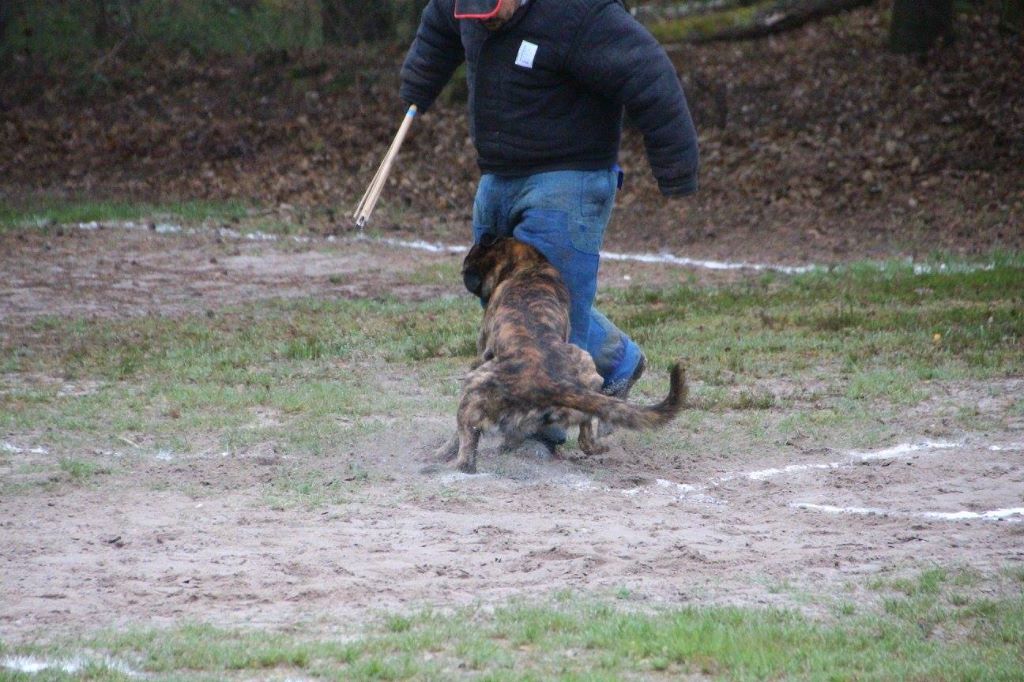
[547, 90]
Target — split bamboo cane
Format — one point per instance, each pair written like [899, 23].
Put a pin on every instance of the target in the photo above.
[369, 200]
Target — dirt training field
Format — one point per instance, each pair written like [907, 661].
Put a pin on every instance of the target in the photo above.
[763, 493]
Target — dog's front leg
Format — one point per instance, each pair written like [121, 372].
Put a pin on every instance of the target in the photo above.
[589, 443]
[469, 439]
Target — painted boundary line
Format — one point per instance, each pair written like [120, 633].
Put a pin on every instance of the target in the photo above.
[698, 493]
[437, 247]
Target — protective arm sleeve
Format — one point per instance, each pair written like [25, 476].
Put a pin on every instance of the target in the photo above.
[434, 55]
[617, 57]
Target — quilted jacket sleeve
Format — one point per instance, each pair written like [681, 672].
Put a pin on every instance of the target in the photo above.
[434, 55]
[616, 56]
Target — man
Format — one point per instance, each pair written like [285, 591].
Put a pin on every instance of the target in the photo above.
[548, 82]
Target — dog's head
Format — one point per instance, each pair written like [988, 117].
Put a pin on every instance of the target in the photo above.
[491, 260]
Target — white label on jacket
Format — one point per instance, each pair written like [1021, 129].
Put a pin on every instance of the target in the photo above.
[527, 51]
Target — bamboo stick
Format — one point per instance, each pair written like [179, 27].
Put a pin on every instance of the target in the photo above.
[373, 192]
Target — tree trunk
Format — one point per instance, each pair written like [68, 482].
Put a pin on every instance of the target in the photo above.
[101, 23]
[784, 18]
[5, 19]
[917, 24]
[345, 22]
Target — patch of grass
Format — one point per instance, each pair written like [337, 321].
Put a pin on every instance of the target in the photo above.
[1017, 574]
[754, 400]
[62, 31]
[397, 623]
[437, 273]
[314, 489]
[318, 366]
[81, 470]
[866, 319]
[331, 372]
[706, 24]
[893, 385]
[580, 638]
[47, 211]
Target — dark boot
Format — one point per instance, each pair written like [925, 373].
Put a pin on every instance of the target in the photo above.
[621, 390]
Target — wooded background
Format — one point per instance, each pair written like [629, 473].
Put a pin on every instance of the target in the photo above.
[70, 29]
[815, 127]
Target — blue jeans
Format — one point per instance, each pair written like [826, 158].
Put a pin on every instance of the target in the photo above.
[563, 214]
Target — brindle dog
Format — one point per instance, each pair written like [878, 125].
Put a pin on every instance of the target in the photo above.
[527, 373]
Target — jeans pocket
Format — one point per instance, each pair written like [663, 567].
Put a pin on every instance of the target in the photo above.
[484, 209]
[597, 193]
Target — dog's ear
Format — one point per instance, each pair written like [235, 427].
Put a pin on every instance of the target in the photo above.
[473, 268]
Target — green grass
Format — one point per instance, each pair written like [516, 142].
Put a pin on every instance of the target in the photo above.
[575, 637]
[706, 24]
[81, 470]
[872, 340]
[63, 31]
[878, 324]
[45, 211]
[316, 376]
[314, 489]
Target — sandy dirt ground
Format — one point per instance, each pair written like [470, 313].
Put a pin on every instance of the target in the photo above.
[190, 536]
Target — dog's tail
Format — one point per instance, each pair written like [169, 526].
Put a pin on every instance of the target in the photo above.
[621, 413]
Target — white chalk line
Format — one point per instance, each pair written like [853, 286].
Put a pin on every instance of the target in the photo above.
[854, 457]
[15, 450]
[33, 665]
[437, 247]
[669, 259]
[1008, 515]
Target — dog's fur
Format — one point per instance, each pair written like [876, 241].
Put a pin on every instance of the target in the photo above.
[526, 373]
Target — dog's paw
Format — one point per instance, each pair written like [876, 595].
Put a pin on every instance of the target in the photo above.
[594, 448]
